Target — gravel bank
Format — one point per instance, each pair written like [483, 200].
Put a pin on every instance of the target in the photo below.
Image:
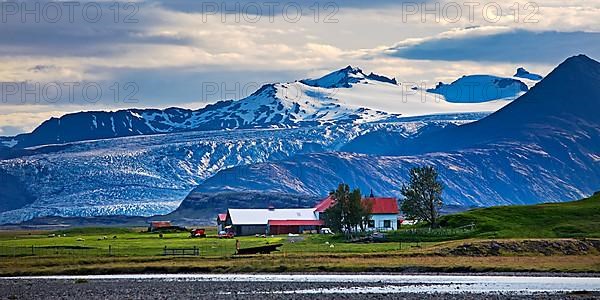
[184, 289]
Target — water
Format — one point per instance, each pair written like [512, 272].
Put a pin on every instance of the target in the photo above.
[376, 284]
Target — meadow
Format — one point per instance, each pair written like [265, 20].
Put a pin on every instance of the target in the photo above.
[560, 237]
[139, 242]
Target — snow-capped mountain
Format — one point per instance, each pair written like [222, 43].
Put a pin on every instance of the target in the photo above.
[145, 162]
[522, 73]
[480, 88]
[152, 174]
[344, 96]
[542, 147]
[345, 77]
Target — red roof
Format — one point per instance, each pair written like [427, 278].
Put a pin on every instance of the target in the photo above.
[380, 205]
[222, 217]
[324, 204]
[296, 223]
[383, 205]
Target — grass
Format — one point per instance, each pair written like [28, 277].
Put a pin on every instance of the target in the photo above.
[94, 251]
[128, 242]
[136, 242]
[277, 263]
[109, 231]
[577, 219]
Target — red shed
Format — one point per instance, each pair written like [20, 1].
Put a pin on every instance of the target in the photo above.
[156, 225]
[293, 226]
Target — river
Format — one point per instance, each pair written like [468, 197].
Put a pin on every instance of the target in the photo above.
[276, 286]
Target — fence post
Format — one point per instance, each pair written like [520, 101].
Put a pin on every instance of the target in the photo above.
[165, 251]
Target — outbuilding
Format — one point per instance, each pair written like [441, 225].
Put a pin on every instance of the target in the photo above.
[159, 225]
[272, 221]
[221, 218]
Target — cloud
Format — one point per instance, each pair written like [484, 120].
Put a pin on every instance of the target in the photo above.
[172, 50]
[16, 119]
[510, 46]
[269, 7]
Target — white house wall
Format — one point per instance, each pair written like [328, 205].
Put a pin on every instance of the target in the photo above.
[380, 220]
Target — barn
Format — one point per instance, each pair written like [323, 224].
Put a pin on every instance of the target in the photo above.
[272, 221]
[159, 225]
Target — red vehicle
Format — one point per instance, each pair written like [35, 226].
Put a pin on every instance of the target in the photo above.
[200, 232]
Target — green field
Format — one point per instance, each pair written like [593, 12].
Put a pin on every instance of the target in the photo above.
[466, 242]
[137, 242]
[551, 220]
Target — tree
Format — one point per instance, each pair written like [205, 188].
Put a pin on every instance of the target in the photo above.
[348, 213]
[423, 195]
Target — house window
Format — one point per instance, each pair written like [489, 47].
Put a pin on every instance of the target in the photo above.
[387, 224]
[371, 223]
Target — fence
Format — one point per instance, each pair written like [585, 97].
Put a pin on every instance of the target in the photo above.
[181, 251]
[421, 234]
[115, 251]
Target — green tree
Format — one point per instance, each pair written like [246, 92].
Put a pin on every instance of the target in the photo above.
[423, 195]
[347, 214]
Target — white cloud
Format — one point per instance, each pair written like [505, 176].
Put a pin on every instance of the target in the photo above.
[173, 42]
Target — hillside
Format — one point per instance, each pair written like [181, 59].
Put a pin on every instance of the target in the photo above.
[548, 220]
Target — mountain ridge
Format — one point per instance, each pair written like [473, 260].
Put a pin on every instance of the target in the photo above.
[568, 94]
[348, 95]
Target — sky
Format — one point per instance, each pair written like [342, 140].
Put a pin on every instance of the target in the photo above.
[60, 57]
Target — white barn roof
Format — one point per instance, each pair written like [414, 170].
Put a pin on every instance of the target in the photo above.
[262, 216]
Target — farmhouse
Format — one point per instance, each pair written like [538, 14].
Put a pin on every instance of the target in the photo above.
[384, 216]
[384, 212]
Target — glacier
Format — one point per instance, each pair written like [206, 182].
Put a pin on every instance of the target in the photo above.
[151, 174]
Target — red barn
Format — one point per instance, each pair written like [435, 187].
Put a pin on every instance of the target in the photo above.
[157, 225]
